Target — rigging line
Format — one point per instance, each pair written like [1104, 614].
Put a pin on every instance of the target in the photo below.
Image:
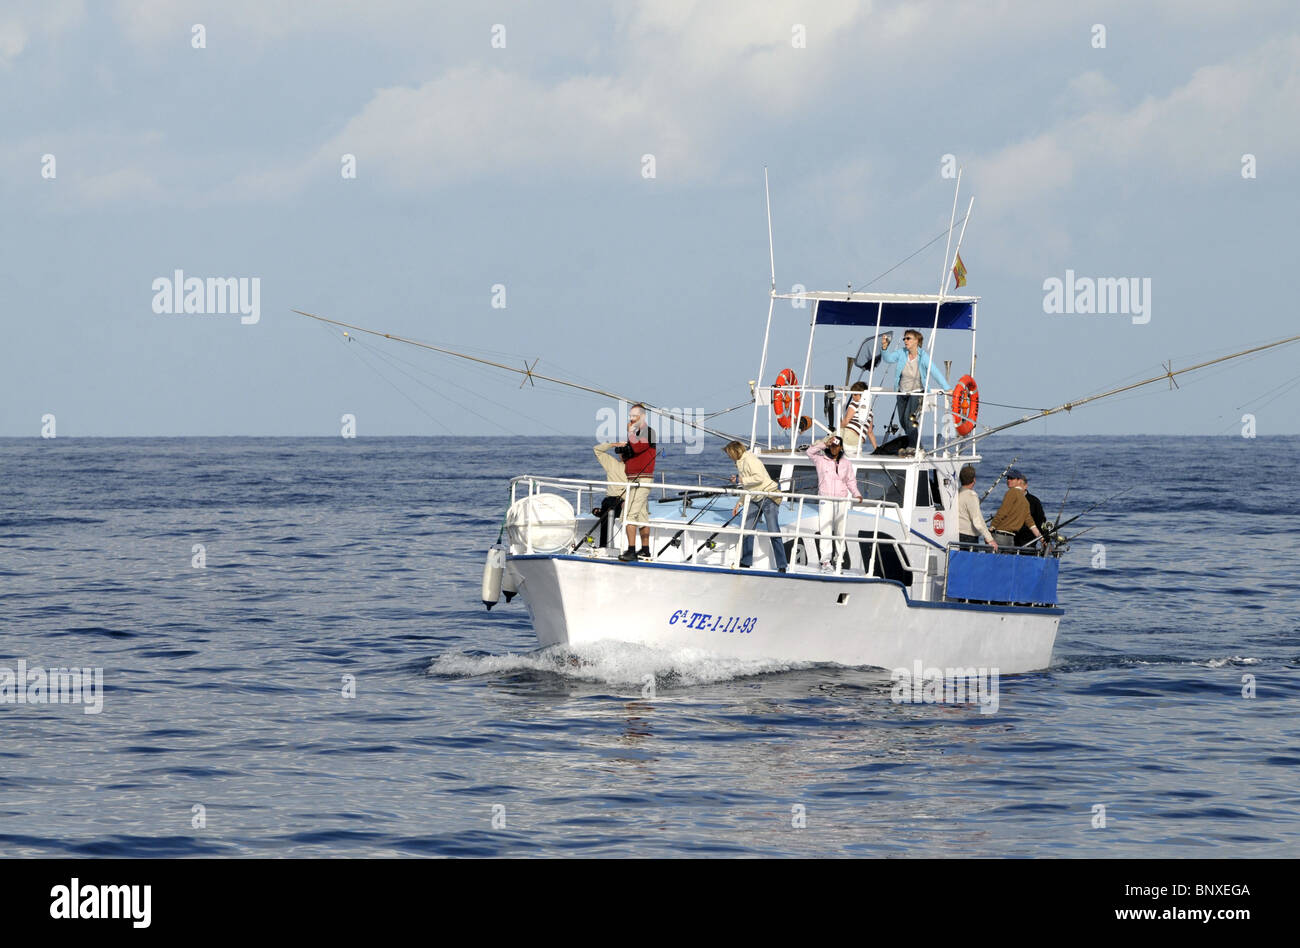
[1213, 373]
[1228, 368]
[1169, 373]
[942, 233]
[417, 405]
[1016, 407]
[1246, 359]
[1206, 376]
[394, 358]
[1288, 386]
[358, 353]
[528, 372]
[374, 351]
[570, 372]
[725, 411]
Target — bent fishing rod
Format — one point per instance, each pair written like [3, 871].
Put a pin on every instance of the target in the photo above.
[527, 372]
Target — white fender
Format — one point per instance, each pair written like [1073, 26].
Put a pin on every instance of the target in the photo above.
[492, 569]
[509, 583]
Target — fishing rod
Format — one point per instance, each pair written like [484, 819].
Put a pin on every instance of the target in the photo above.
[527, 372]
[1068, 540]
[1169, 374]
[985, 496]
[600, 517]
[1066, 523]
[1068, 488]
[711, 537]
[677, 537]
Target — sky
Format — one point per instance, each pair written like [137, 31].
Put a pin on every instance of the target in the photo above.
[581, 183]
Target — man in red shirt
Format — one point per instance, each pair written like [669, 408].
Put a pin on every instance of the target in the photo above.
[638, 453]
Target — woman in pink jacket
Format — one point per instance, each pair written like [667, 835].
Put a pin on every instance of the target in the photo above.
[835, 479]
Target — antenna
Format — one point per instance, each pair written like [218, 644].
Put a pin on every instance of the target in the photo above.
[771, 254]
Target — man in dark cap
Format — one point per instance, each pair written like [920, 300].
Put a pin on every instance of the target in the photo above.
[1023, 536]
[1014, 514]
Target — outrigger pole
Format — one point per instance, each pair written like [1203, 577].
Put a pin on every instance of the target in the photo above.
[1168, 374]
[527, 372]
[771, 306]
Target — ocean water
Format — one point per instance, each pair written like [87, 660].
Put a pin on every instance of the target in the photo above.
[224, 728]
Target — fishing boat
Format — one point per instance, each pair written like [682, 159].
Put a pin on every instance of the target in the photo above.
[901, 590]
[904, 590]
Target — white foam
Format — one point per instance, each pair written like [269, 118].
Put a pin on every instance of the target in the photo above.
[1230, 660]
[615, 663]
[1207, 663]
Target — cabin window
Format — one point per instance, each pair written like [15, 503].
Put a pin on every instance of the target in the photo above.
[803, 481]
[922, 490]
[878, 484]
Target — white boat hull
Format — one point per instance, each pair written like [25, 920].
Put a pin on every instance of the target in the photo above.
[794, 617]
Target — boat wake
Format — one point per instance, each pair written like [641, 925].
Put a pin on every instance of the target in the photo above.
[615, 663]
[1090, 663]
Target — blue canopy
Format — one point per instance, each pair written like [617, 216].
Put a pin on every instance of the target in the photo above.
[896, 310]
[953, 314]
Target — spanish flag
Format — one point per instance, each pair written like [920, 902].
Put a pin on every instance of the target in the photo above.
[959, 272]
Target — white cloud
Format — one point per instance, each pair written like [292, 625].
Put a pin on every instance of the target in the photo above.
[477, 121]
[688, 66]
[1200, 130]
[92, 167]
[21, 20]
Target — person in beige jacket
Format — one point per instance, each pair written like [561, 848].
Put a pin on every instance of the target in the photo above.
[970, 521]
[611, 508]
[752, 475]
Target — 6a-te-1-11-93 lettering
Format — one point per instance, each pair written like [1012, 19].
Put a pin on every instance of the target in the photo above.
[714, 623]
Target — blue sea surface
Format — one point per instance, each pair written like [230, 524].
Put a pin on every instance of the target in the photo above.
[225, 730]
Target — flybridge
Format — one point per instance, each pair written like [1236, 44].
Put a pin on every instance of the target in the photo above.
[927, 313]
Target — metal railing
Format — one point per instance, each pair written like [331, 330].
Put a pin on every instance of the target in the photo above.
[585, 494]
[933, 406]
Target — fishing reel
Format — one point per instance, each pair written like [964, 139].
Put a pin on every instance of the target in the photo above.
[1053, 543]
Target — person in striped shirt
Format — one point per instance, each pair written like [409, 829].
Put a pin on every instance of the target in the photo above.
[859, 422]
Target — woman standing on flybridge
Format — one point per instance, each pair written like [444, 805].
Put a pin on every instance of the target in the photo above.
[912, 375]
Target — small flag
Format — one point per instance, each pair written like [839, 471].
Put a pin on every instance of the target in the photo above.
[959, 272]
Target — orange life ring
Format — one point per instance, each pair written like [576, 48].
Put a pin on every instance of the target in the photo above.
[965, 405]
[786, 404]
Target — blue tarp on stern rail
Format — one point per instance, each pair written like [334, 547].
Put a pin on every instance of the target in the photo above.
[1002, 577]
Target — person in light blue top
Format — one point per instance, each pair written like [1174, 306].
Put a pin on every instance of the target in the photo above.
[911, 372]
